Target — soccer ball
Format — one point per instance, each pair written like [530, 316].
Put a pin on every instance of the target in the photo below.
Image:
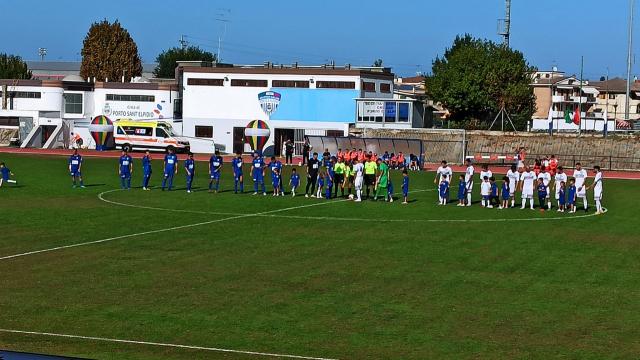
[350, 196]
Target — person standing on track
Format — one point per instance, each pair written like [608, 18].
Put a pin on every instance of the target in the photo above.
[75, 168]
[288, 152]
[170, 169]
[306, 149]
[215, 169]
[190, 169]
[125, 168]
[146, 169]
[313, 166]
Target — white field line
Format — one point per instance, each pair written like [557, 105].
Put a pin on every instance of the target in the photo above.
[169, 345]
[162, 230]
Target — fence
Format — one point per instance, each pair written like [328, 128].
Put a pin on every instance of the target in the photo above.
[375, 145]
[606, 162]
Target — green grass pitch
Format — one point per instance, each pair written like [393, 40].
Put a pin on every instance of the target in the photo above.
[289, 276]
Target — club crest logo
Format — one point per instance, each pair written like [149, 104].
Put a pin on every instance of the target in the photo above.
[269, 101]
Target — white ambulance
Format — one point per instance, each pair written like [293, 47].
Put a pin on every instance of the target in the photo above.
[153, 135]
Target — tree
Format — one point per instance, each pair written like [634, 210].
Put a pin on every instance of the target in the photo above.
[377, 63]
[167, 59]
[13, 67]
[475, 78]
[109, 52]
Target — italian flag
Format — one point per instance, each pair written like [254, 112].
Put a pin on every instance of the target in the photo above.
[567, 116]
[576, 117]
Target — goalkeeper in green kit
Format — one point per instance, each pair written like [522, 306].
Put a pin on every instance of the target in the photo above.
[383, 179]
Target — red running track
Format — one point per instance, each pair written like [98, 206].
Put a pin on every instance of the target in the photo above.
[626, 175]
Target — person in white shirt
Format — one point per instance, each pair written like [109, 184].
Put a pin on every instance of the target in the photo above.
[580, 175]
[358, 169]
[485, 172]
[527, 179]
[443, 170]
[468, 179]
[513, 175]
[546, 179]
[560, 177]
[597, 190]
[485, 192]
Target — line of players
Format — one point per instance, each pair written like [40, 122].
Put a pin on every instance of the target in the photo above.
[526, 181]
[328, 176]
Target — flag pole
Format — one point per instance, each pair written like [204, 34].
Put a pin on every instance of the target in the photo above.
[580, 97]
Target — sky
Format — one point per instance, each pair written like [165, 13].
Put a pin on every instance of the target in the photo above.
[406, 34]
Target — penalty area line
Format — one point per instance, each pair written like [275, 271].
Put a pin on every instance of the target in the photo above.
[169, 345]
[63, 247]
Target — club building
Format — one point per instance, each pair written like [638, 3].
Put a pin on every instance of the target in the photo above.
[295, 101]
[208, 103]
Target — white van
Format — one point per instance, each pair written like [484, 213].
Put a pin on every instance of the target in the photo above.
[148, 135]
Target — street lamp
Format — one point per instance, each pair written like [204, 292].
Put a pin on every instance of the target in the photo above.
[42, 52]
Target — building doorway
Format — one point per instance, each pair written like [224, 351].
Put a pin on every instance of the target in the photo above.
[47, 131]
[280, 136]
[238, 140]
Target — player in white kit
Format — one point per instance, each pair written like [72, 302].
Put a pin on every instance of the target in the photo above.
[443, 170]
[597, 190]
[560, 177]
[580, 175]
[468, 179]
[513, 175]
[485, 172]
[527, 180]
[546, 179]
[358, 169]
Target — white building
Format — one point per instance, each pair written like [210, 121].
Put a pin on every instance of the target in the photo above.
[45, 112]
[219, 101]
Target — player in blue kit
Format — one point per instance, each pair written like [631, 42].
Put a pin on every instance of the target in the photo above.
[390, 190]
[542, 194]
[190, 170]
[125, 168]
[405, 186]
[5, 175]
[493, 198]
[257, 172]
[146, 169]
[571, 196]
[170, 169]
[506, 193]
[328, 185]
[75, 168]
[294, 182]
[275, 181]
[462, 191]
[238, 179]
[273, 166]
[215, 167]
[443, 190]
[561, 197]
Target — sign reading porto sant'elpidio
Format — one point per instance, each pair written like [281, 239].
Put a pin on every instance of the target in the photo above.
[120, 110]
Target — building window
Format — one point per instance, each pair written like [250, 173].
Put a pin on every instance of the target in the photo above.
[612, 96]
[9, 121]
[73, 103]
[249, 83]
[290, 83]
[335, 85]
[638, 109]
[335, 133]
[204, 131]
[205, 82]
[369, 86]
[139, 98]
[403, 112]
[385, 88]
[23, 94]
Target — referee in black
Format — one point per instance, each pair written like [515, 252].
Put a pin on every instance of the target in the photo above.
[313, 166]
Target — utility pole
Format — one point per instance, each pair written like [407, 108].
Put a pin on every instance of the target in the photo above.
[183, 42]
[629, 45]
[222, 18]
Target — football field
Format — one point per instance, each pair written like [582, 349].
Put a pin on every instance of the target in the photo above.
[110, 274]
